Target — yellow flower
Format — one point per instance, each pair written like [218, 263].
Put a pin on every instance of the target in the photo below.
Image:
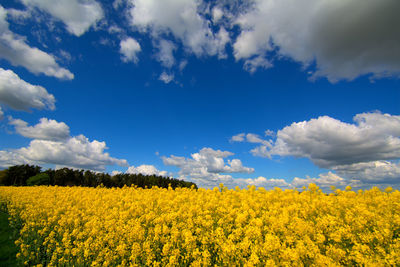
[131, 226]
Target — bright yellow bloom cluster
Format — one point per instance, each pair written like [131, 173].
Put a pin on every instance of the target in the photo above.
[76, 226]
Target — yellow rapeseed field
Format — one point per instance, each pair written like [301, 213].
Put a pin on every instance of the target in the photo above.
[76, 226]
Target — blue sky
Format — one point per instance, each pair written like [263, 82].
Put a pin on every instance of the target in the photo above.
[238, 92]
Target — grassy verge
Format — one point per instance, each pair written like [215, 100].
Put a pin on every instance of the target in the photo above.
[8, 250]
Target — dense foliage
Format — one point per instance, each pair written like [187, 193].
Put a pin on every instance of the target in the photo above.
[76, 226]
[38, 179]
[18, 176]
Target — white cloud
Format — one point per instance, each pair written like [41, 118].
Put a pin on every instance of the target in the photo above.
[253, 64]
[74, 152]
[77, 152]
[253, 138]
[259, 182]
[19, 15]
[206, 167]
[77, 15]
[238, 138]
[269, 133]
[15, 49]
[45, 130]
[305, 31]
[65, 56]
[166, 78]
[147, 170]
[329, 142]
[114, 29]
[183, 64]
[366, 150]
[376, 172]
[215, 180]
[165, 54]
[129, 48]
[345, 38]
[217, 14]
[237, 167]
[262, 150]
[324, 180]
[20, 95]
[1, 114]
[117, 4]
[10, 158]
[342, 39]
[180, 18]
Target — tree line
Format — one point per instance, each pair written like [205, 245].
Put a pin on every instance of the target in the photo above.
[22, 175]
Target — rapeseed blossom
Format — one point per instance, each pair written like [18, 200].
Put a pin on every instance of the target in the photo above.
[76, 226]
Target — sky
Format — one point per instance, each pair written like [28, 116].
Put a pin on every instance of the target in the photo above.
[265, 93]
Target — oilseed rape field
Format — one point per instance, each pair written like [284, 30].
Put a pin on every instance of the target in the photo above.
[77, 226]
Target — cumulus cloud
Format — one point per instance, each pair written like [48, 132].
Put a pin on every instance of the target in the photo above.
[115, 29]
[14, 49]
[147, 170]
[345, 39]
[375, 172]
[207, 167]
[10, 158]
[217, 14]
[19, 15]
[77, 15]
[20, 95]
[222, 38]
[329, 142]
[77, 152]
[255, 63]
[259, 182]
[52, 147]
[365, 150]
[238, 138]
[261, 150]
[117, 4]
[324, 180]
[129, 48]
[210, 160]
[251, 138]
[333, 39]
[1, 114]
[165, 54]
[182, 19]
[45, 130]
[166, 78]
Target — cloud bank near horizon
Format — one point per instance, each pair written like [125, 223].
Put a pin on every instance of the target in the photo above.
[367, 150]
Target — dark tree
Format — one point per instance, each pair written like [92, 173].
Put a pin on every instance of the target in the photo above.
[3, 177]
[18, 175]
